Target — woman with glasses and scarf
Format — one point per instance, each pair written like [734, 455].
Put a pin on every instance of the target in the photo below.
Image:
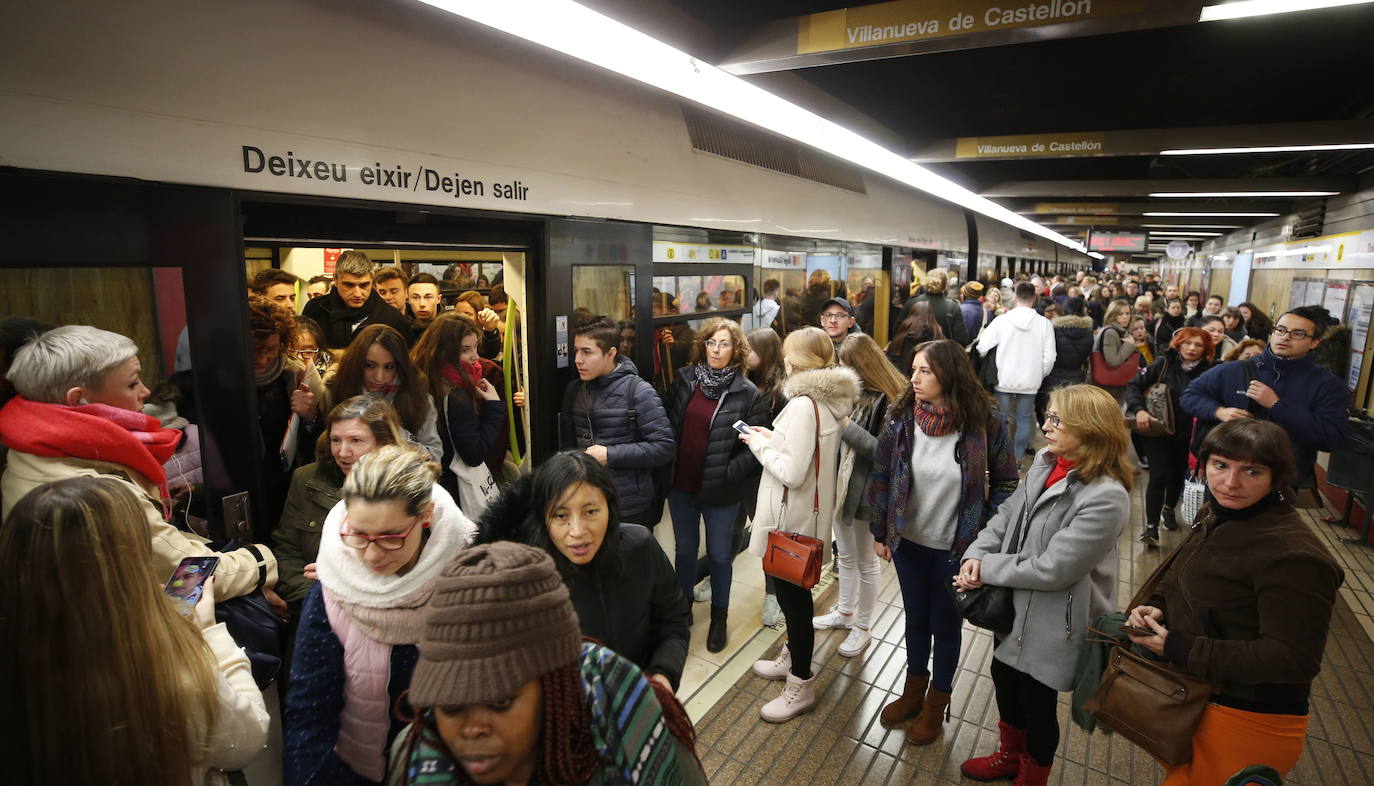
[713, 468]
[381, 553]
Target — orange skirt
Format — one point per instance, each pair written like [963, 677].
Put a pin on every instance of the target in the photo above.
[1228, 740]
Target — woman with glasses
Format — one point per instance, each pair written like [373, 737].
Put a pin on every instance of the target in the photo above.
[381, 552]
[1068, 514]
[713, 468]
[285, 387]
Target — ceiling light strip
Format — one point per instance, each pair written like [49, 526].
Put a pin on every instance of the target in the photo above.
[1214, 215]
[1211, 151]
[1238, 194]
[1248, 8]
[582, 33]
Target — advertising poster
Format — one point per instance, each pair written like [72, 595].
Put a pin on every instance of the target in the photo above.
[1297, 293]
[1334, 301]
[1316, 289]
[1359, 304]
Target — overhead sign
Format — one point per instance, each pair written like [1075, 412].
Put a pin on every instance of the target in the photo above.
[1030, 145]
[1084, 221]
[1118, 242]
[920, 20]
[1080, 208]
[1178, 249]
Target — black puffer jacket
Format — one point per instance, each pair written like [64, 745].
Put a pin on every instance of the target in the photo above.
[628, 598]
[1170, 365]
[338, 320]
[728, 467]
[1073, 343]
[627, 417]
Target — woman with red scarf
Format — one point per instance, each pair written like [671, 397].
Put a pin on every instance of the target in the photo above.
[472, 417]
[77, 414]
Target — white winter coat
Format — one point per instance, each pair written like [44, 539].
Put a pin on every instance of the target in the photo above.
[241, 721]
[788, 456]
[1024, 341]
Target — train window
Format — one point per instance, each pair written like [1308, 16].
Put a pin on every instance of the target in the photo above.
[666, 298]
[603, 290]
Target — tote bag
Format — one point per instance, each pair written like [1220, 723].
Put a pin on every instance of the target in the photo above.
[476, 486]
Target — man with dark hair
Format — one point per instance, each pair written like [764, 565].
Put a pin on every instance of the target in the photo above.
[426, 303]
[353, 303]
[318, 287]
[617, 418]
[768, 307]
[1026, 352]
[276, 285]
[390, 283]
[837, 320]
[1283, 385]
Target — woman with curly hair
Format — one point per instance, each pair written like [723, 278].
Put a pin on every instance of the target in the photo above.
[507, 691]
[377, 363]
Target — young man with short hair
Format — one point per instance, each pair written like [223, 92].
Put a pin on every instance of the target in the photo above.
[1026, 352]
[1283, 385]
[318, 287]
[426, 303]
[618, 419]
[390, 283]
[353, 303]
[768, 307]
[276, 285]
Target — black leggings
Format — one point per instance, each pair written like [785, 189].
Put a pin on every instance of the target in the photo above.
[1029, 705]
[1168, 457]
[797, 606]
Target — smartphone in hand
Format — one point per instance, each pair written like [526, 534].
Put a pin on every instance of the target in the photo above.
[742, 427]
[188, 581]
[1135, 631]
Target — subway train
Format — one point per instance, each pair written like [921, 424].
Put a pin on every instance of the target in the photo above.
[156, 153]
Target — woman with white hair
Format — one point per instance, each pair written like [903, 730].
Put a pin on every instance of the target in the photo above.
[77, 413]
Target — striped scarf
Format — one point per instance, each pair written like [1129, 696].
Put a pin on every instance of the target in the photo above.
[628, 728]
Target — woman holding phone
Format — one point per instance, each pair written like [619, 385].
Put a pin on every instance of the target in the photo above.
[148, 691]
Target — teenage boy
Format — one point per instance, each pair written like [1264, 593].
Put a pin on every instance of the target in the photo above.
[618, 419]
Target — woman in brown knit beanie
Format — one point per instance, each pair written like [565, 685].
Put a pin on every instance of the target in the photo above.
[509, 694]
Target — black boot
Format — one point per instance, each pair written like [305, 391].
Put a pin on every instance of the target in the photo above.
[1151, 536]
[715, 637]
[1170, 519]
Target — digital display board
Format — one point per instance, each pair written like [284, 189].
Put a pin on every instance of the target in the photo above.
[1118, 242]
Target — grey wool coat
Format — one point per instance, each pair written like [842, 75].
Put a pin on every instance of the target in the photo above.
[1065, 575]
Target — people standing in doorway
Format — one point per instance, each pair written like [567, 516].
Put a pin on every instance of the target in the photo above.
[278, 286]
[1189, 355]
[318, 286]
[799, 457]
[610, 412]
[390, 283]
[712, 466]
[1026, 352]
[837, 320]
[353, 303]
[768, 307]
[472, 305]
[1069, 512]
[858, 563]
[942, 466]
[378, 364]
[426, 302]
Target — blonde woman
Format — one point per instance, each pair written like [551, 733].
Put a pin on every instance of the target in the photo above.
[859, 569]
[381, 552]
[819, 396]
[1115, 343]
[106, 681]
[1071, 510]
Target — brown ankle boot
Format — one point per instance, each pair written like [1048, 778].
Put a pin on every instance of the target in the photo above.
[928, 725]
[908, 705]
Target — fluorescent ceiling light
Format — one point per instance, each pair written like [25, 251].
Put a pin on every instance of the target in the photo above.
[1191, 226]
[1095, 255]
[1216, 215]
[1218, 194]
[1209, 151]
[582, 33]
[1239, 10]
[1186, 234]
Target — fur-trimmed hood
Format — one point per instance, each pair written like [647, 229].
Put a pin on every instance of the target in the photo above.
[836, 388]
[1072, 321]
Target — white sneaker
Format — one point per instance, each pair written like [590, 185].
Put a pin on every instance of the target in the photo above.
[798, 696]
[772, 612]
[832, 619]
[702, 593]
[775, 669]
[855, 643]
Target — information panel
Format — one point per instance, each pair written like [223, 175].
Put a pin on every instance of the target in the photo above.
[1118, 242]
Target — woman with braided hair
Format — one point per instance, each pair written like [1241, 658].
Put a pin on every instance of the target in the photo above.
[508, 693]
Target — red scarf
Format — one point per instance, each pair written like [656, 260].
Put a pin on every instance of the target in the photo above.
[1060, 471]
[90, 431]
[454, 374]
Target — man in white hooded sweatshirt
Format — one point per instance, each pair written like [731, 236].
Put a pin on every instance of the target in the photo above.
[1024, 341]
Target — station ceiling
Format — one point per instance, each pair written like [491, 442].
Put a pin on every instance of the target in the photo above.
[1296, 78]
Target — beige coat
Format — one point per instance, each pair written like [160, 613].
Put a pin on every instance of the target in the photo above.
[238, 732]
[237, 573]
[788, 456]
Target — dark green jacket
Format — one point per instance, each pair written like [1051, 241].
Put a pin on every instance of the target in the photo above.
[296, 541]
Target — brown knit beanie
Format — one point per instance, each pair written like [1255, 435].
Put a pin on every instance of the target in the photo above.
[499, 618]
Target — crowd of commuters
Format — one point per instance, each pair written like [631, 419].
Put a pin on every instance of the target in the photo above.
[449, 619]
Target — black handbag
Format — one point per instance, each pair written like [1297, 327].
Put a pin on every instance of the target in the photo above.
[254, 625]
[990, 607]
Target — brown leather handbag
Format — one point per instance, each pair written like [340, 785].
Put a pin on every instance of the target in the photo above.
[791, 556]
[1149, 702]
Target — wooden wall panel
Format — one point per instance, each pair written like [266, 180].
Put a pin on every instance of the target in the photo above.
[114, 299]
[1221, 284]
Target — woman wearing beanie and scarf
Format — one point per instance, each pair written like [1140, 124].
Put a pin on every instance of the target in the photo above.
[713, 467]
[509, 694]
[623, 587]
[380, 555]
[286, 388]
[76, 414]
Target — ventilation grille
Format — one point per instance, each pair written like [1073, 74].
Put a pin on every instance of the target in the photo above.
[1309, 219]
[727, 138]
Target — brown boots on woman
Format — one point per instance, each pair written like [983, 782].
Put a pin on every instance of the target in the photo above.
[929, 707]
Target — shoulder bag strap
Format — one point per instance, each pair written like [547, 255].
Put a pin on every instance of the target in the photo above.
[1148, 588]
[816, 498]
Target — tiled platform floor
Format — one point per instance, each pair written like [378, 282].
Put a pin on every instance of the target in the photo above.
[841, 741]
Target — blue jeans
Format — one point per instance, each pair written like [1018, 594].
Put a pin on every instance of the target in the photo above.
[1019, 410]
[720, 541]
[923, 574]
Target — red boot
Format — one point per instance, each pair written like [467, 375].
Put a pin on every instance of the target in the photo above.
[1032, 774]
[1003, 764]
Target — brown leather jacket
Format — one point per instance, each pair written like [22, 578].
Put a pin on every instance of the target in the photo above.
[1248, 604]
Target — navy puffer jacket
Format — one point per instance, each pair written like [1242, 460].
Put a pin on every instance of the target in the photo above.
[1073, 343]
[728, 463]
[627, 417]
